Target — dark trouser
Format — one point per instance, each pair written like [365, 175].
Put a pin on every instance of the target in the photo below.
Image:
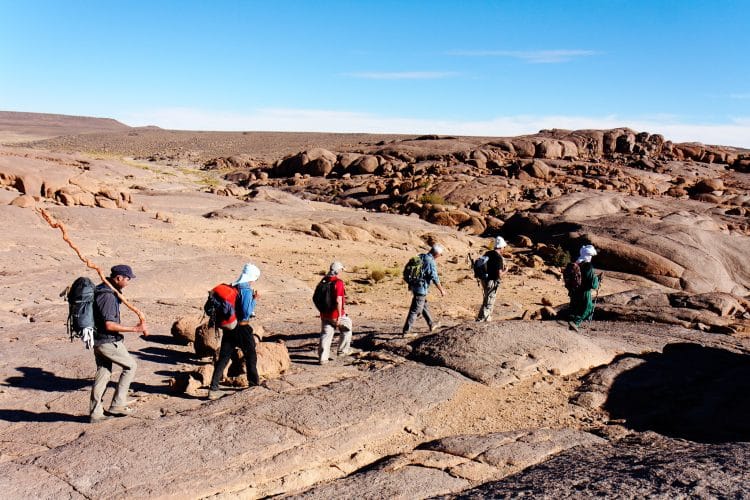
[581, 307]
[418, 306]
[241, 337]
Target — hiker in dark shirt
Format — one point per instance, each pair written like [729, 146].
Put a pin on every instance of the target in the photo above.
[581, 305]
[109, 348]
[239, 336]
[495, 271]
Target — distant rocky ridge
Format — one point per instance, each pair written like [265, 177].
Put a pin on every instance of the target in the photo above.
[19, 126]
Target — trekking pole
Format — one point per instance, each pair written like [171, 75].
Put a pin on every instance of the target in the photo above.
[596, 298]
[54, 224]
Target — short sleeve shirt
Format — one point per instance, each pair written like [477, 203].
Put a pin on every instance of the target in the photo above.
[106, 308]
[340, 292]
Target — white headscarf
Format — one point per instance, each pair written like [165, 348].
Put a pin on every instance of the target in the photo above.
[587, 251]
[499, 243]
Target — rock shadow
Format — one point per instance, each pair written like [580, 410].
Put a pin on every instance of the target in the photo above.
[688, 391]
[42, 380]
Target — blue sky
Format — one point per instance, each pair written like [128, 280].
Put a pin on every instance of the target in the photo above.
[680, 68]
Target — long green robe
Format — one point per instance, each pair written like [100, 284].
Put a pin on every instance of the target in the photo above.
[581, 306]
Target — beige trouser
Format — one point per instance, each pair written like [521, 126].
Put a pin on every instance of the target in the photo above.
[327, 330]
[106, 355]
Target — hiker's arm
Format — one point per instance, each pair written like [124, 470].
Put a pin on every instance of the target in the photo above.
[440, 287]
[111, 326]
[339, 307]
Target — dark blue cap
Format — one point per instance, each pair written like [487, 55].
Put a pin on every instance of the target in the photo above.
[123, 270]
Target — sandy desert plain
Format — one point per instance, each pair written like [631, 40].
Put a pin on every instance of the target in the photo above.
[648, 400]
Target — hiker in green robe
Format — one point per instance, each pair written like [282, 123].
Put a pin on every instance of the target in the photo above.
[581, 306]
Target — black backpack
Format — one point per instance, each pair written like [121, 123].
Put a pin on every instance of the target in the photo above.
[80, 299]
[572, 276]
[479, 265]
[324, 296]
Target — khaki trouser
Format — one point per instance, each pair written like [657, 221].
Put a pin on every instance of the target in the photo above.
[106, 355]
[490, 292]
[327, 330]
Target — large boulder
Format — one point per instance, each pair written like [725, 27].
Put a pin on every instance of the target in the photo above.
[503, 352]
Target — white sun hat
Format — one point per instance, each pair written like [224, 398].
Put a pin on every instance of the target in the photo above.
[249, 273]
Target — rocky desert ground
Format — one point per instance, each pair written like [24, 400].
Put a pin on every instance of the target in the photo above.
[648, 399]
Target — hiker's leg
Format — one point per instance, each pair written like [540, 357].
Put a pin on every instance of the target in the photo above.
[588, 309]
[327, 329]
[489, 289]
[225, 354]
[426, 312]
[414, 310]
[122, 357]
[345, 327]
[577, 307]
[247, 344]
[101, 379]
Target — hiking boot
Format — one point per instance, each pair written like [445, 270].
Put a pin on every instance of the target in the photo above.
[434, 327]
[572, 326]
[350, 352]
[214, 394]
[120, 411]
[95, 419]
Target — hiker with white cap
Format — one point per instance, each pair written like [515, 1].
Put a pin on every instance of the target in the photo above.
[330, 299]
[490, 276]
[580, 279]
[419, 285]
[241, 335]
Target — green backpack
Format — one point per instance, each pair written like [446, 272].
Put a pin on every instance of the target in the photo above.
[414, 270]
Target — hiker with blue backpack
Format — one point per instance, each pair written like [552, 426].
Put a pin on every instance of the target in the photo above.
[230, 308]
[420, 272]
[580, 279]
[330, 299]
[489, 269]
[109, 348]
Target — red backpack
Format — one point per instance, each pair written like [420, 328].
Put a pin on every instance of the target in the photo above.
[220, 305]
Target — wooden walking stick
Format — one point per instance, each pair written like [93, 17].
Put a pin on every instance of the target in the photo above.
[54, 224]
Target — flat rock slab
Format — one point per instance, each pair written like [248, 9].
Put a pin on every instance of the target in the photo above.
[500, 353]
[254, 443]
[451, 464]
[639, 466]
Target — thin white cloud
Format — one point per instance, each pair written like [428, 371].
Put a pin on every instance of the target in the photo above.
[530, 56]
[733, 133]
[741, 96]
[402, 75]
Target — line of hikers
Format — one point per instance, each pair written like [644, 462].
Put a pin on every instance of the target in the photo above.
[230, 308]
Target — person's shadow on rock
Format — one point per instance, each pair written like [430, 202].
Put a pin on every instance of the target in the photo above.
[43, 380]
[47, 417]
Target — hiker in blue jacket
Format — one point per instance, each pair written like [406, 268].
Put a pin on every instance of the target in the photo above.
[420, 288]
[240, 336]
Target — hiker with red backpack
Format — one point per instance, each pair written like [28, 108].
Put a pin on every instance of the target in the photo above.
[420, 272]
[230, 308]
[330, 299]
[580, 279]
[109, 348]
[489, 269]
